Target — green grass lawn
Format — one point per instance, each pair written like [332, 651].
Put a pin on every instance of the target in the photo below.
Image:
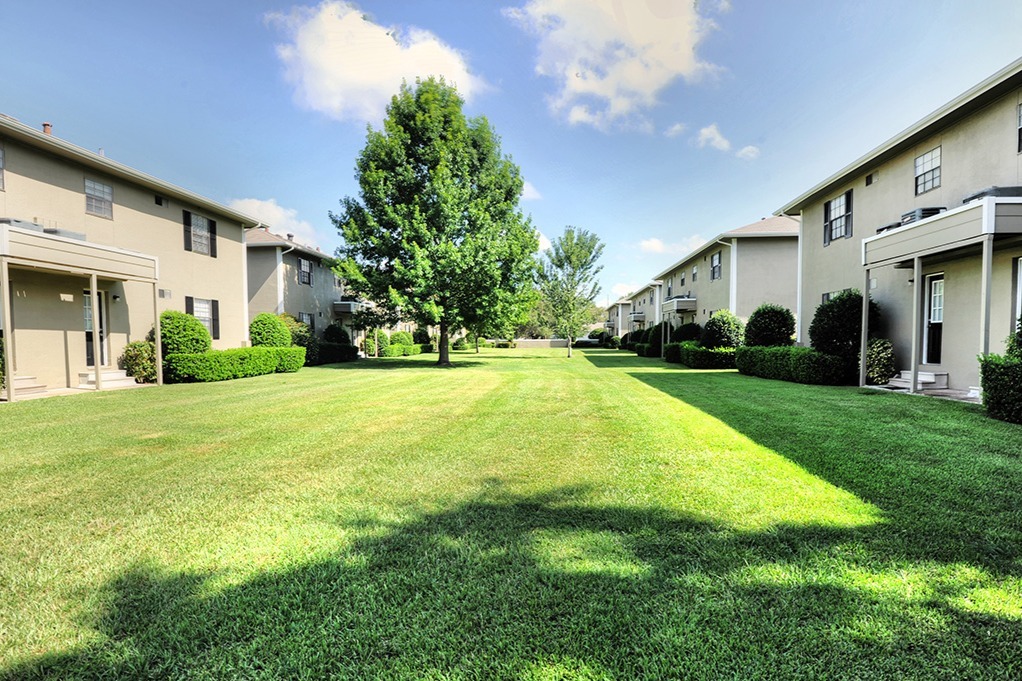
[522, 516]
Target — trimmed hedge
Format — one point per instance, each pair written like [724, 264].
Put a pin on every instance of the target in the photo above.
[770, 325]
[411, 349]
[788, 363]
[772, 362]
[427, 348]
[138, 360]
[333, 353]
[267, 329]
[224, 365]
[505, 344]
[686, 332]
[1001, 379]
[641, 349]
[401, 338]
[692, 355]
[392, 351]
[672, 353]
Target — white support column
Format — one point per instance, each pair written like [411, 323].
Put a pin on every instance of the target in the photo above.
[280, 280]
[733, 288]
[5, 295]
[158, 349]
[97, 349]
[918, 300]
[986, 280]
[864, 336]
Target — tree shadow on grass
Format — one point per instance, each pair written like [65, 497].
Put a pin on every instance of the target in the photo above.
[509, 587]
[947, 477]
[392, 363]
[621, 359]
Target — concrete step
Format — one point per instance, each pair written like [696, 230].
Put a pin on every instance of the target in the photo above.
[26, 385]
[112, 378]
[928, 380]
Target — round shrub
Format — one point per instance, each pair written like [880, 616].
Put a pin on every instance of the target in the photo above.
[836, 328]
[379, 337]
[401, 338]
[139, 361]
[302, 337]
[182, 333]
[421, 336]
[722, 330]
[459, 344]
[686, 332]
[625, 339]
[335, 333]
[614, 342]
[880, 366]
[770, 325]
[270, 330]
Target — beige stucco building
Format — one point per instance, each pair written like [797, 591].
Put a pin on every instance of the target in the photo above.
[643, 308]
[617, 323]
[738, 270]
[91, 251]
[930, 223]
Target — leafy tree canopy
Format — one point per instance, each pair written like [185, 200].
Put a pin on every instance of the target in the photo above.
[568, 283]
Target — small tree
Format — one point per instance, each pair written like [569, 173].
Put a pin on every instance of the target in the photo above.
[568, 281]
[722, 330]
[770, 325]
[836, 328]
[270, 330]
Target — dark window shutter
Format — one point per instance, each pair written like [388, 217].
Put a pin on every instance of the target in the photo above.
[189, 305]
[187, 220]
[848, 214]
[310, 273]
[212, 238]
[215, 307]
[826, 223]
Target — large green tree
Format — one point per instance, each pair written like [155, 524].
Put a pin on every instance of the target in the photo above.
[436, 234]
[568, 282]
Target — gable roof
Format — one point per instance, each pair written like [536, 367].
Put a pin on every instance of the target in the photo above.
[1004, 81]
[264, 238]
[13, 129]
[774, 226]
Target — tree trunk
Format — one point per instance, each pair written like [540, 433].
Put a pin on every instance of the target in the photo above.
[376, 343]
[444, 349]
[569, 346]
[477, 345]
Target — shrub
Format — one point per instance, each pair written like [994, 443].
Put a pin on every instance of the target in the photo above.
[614, 343]
[223, 365]
[368, 347]
[392, 351]
[506, 344]
[625, 340]
[182, 333]
[379, 337]
[686, 332]
[332, 353]
[427, 348]
[692, 355]
[880, 365]
[335, 333]
[836, 328]
[672, 353]
[1001, 379]
[302, 337]
[459, 344]
[138, 360]
[411, 349]
[3, 365]
[817, 368]
[641, 348]
[401, 338]
[1013, 345]
[722, 330]
[596, 334]
[421, 335]
[770, 325]
[655, 339]
[270, 330]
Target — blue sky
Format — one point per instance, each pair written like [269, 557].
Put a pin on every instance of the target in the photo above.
[654, 124]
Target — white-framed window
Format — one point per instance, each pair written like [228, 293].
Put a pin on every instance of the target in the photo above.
[202, 309]
[715, 272]
[200, 233]
[308, 319]
[928, 171]
[1, 167]
[304, 271]
[837, 218]
[681, 278]
[695, 273]
[99, 199]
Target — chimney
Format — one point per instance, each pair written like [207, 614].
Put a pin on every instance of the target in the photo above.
[47, 128]
[290, 237]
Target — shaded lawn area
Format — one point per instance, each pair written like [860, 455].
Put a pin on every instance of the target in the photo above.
[521, 516]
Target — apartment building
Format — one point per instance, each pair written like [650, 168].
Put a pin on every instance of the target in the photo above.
[92, 251]
[617, 323]
[738, 270]
[930, 224]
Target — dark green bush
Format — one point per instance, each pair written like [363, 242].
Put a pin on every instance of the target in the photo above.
[333, 353]
[672, 353]
[770, 325]
[421, 335]
[335, 333]
[223, 365]
[641, 349]
[1001, 379]
[722, 330]
[836, 328]
[505, 344]
[401, 338]
[138, 360]
[625, 340]
[302, 337]
[182, 333]
[290, 360]
[880, 364]
[267, 329]
[596, 334]
[614, 343]
[655, 339]
[686, 332]
[459, 344]
[427, 348]
[1013, 345]
[694, 356]
[766, 362]
[411, 349]
[817, 368]
[392, 351]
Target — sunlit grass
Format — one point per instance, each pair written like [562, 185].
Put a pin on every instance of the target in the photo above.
[521, 516]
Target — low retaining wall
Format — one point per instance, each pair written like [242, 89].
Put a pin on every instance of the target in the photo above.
[541, 342]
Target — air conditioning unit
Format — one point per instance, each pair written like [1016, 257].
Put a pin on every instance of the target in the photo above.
[921, 214]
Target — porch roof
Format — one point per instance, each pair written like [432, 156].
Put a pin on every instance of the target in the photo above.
[31, 247]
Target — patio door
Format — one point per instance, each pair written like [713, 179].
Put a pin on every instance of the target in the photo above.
[95, 314]
[934, 318]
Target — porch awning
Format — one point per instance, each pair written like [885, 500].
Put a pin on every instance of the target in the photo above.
[681, 304]
[32, 247]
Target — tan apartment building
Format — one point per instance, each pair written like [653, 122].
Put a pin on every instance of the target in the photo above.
[286, 276]
[91, 251]
[644, 308]
[738, 271]
[617, 323]
[930, 223]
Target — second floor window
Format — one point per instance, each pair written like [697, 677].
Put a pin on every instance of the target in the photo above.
[304, 271]
[681, 279]
[307, 319]
[928, 171]
[99, 199]
[1, 168]
[837, 218]
[695, 273]
[715, 266]
[1019, 141]
[200, 234]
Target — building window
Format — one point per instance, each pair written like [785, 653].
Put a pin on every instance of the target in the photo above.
[337, 282]
[715, 266]
[837, 218]
[200, 234]
[695, 273]
[1019, 137]
[2, 167]
[206, 311]
[304, 271]
[99, 199]
[307, 319]
[928, 171]
[681, 278]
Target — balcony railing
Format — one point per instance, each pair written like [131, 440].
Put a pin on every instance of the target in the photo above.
[679, 304]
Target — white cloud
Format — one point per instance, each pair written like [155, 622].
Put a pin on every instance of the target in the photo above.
[621, 290]
[611, 58]
[280, 220]
[711, 136]
[748, 153]
[674, 130]
[683, 247]
[544, 242]
[530, 193]
[344, 65]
